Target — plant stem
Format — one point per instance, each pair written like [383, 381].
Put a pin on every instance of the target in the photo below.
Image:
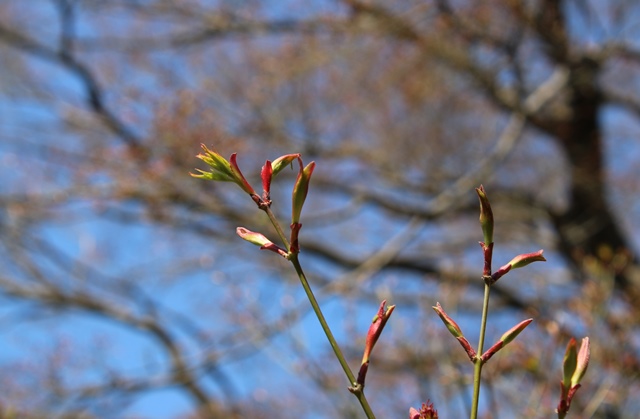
[477, 370]
[276, 225]
[354, 388]
[334, 344]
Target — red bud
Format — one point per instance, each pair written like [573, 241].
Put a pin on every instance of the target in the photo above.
[266, 174]
[239, 178]
[426, 412]
[378, 323]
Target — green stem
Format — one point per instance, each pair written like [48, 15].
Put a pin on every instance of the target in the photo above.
[354, 388]
[276, 225]
[334, 344]
[477, 370]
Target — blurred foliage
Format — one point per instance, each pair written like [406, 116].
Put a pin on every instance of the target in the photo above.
[126, 293]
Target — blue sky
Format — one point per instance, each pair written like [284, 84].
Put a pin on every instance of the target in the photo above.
[214, 285]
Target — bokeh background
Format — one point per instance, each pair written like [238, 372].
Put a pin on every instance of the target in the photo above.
[125, 293]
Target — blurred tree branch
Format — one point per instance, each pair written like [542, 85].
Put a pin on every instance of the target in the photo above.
[406, 106]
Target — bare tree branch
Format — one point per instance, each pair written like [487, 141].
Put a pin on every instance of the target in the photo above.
[94, 94]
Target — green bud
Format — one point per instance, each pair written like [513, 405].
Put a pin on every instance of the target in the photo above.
[486, 216]
[252, 237]
[569, 363]
[282, 162]
[222, 170]
[453, 327]
[582, 362]
[515, 331]
[300, 190]
[527, 258]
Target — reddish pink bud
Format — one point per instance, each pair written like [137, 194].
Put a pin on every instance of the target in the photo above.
[377, 324]
[574, 366]
[266, 174]
[260, 240]
[239, 178]
[518, 262]
[426, 412]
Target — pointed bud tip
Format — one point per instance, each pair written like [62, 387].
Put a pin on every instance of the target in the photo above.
[512, 333]
[375, 329]
[283, 161]
[238, 177]
[486, 216]
[582, 362]
[527, 258]
[300, 190]
[451, 324]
